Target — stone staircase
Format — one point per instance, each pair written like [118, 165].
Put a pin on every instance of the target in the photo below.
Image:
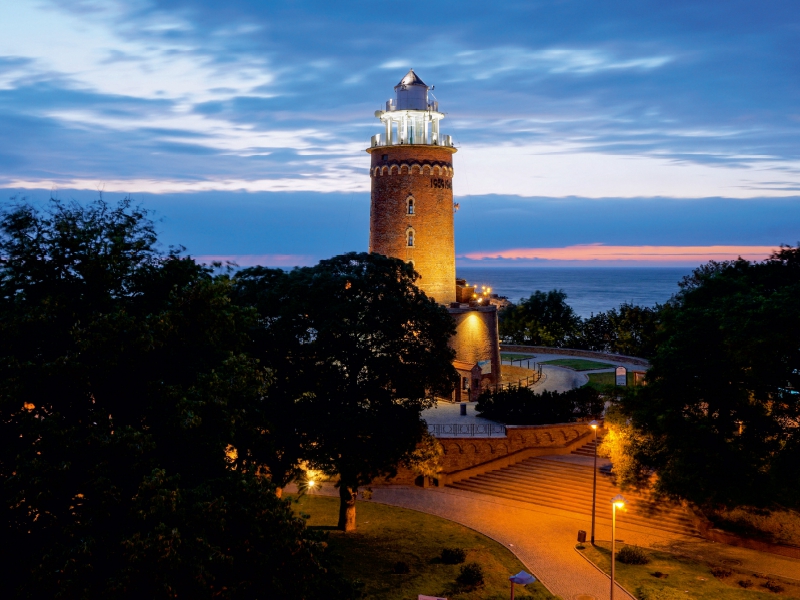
[567, 486]
[587, 449]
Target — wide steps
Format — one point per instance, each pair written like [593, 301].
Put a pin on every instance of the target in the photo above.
[568, 486]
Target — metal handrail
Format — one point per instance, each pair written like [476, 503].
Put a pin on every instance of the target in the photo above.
[467, 429]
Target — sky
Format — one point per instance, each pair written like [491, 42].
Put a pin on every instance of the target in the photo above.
[589, 133]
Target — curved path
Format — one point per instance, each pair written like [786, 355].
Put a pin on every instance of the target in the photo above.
[543, 539]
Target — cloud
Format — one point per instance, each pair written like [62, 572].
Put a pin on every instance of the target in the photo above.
[588, 253]
[561, 170]
[264, 260]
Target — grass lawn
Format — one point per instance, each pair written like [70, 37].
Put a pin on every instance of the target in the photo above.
[600, 380]
[387, 535]
[685, 578]
[578, 364]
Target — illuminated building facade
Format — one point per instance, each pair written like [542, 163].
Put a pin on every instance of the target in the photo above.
[411, 218]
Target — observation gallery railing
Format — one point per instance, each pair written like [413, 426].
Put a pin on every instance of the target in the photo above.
[467, 430]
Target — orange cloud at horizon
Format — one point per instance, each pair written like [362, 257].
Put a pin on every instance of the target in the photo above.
[601, 252]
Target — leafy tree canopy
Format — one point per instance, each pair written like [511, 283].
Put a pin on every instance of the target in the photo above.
[130, 416]
[359, 351]
[720, 417]
[543, 319]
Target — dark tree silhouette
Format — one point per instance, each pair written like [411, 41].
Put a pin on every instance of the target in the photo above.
[720, 417]
[128, 414]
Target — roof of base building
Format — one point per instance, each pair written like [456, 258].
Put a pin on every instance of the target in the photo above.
[411, 78]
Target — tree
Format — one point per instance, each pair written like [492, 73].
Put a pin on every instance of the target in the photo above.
[369, 352]
[720, 416]
[631, 331]
[275, 339]
[128, 410]
[543, 319]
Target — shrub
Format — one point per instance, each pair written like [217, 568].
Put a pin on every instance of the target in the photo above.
[471, 575]
[523, 406]
[721, 572]
[632, 555]
[660, 575]
[745, 583]
[401, 568]
[453, 556]
[773, 586]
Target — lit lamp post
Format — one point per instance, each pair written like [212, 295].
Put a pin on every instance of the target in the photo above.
[594, 425]
[617, 501]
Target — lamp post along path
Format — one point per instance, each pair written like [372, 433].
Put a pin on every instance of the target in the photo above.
[617, 501]
[594, 425]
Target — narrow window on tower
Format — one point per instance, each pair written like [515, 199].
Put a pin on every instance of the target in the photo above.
[410, 205]
[410, 237]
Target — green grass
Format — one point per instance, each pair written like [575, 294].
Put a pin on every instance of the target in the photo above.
[578, 364]
[686, 578]
[600, 380]
[386, 535]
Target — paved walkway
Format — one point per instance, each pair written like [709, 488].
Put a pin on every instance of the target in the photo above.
[544, 538]
[448, 413]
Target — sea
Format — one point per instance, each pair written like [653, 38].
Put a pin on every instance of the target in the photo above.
[589, 289]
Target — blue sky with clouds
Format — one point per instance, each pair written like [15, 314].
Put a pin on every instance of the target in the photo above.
[626, 124]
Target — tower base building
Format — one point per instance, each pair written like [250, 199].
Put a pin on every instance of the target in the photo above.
[411, 218]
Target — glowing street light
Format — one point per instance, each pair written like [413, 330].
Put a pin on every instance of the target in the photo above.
[594, 425]
[617, 501]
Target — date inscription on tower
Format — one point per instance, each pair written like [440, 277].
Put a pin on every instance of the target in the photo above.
[438, 182]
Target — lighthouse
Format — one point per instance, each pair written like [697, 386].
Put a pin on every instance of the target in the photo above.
[411, 218]
[411, 211]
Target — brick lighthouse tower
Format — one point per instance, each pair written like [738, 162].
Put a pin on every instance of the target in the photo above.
[411, 214]
[411, 218]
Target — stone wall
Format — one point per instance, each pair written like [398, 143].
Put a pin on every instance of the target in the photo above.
[424, 173]
[580, 353]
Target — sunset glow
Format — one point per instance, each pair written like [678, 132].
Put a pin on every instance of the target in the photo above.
[655, 254]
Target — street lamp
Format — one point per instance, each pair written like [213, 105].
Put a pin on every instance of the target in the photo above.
[594, 425]
[617, 501]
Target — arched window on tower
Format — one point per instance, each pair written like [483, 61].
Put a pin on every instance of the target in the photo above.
[410, 205]
[410, 237]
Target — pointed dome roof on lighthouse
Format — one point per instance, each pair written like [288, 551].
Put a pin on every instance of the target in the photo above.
[411, 78]
[411, 92]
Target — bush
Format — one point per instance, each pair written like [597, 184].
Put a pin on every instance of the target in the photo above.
[632, 555]
[721, 572]
[471, 575]
[523, 406]
[660, 575]
[453, 556]
[745, 583]
[401, 568]
[773, 586]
